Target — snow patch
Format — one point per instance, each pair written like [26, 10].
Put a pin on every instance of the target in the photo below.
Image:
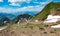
[52, 18]
[2, 28]
[56, 26]
[36, 20]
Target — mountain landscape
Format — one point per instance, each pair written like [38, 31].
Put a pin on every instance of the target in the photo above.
[12, 18]
[31, 28]
[22, 18]
[9, 16]
[4, 21]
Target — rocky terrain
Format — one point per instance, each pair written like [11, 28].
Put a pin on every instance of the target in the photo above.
[30, 29]
[33, 28]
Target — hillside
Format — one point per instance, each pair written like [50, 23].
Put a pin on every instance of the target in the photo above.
[49, 9]
[36, 28]
[30, 29]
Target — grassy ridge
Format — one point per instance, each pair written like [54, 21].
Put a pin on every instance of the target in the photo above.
[43, 13]
[46, 11]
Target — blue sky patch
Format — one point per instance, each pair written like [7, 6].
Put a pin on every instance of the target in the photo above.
[15, 6]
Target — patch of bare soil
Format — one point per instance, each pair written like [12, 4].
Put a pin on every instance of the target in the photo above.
[57, 13]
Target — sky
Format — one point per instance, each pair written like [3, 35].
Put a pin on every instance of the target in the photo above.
[13, 6]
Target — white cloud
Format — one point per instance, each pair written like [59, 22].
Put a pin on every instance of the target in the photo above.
[49, 0]
[12, 10]
[18, 0]
[41, 2]
[1, 0]
[15, 2]
[46, 2]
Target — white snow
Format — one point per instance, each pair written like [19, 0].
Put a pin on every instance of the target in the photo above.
[36, 20]
[1, 28]
[52, 18]
[56, 26]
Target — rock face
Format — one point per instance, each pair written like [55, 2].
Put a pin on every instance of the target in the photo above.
[22, 18]
[4, 21]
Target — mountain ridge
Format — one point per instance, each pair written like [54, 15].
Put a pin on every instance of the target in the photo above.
[46, 11]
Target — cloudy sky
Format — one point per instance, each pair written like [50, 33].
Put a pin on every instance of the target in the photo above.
[12, 6]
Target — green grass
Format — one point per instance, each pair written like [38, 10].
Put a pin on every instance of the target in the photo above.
[46, 11]
[34, 25]
[29, 25]
[11, 26]
[43, 13]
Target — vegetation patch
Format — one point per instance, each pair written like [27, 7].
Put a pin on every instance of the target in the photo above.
[34, 25]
